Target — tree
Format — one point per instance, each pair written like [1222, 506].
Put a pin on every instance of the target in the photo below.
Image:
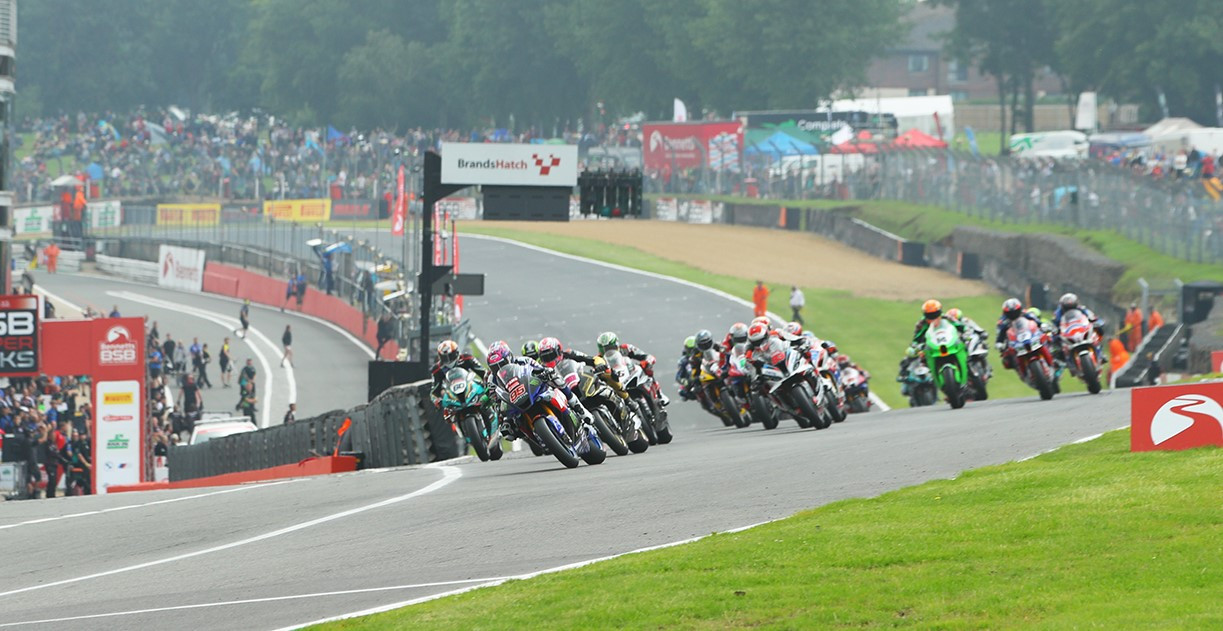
[1132, 50]
[1009, 40]
[390, 83]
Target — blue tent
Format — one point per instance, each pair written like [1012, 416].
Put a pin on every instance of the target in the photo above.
[94, 171]
[780, 145]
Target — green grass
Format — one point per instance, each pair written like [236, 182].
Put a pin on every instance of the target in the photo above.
[873, 331]
[1089, 536]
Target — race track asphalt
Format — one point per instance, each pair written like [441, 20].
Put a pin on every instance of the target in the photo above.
[283, 554]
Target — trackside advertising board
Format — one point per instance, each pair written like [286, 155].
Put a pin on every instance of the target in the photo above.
[119, 442]
[1176, 417]
[19, 336]
[180, 268]
[509, 164]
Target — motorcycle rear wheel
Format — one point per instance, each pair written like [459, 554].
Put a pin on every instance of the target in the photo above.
[859, 404]
[647, 421]
[471, 431]
[565, 455]
[1040, 379]
[763, 412]
[661, 429]
[731, 408]
[979, 391]
[806, 408]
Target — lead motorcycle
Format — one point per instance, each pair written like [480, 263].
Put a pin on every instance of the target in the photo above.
[543, 417]
[641, 389]
[1027, 350]
[606, 407]
[466, 404]
[1080, 339]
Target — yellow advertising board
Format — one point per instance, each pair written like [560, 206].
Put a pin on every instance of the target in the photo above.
[188, 214]
[308, 210]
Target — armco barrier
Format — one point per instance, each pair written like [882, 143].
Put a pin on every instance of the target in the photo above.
[131, 269]
[399, 427]
[229, 280]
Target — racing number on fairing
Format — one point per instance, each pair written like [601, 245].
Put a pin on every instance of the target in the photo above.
[517, 390]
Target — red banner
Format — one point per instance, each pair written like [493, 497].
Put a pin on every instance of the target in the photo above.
[679, 146]
[19, 335]
[399, 217]
[1176, 417]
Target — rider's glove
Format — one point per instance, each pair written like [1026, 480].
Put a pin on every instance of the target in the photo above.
[999, 345]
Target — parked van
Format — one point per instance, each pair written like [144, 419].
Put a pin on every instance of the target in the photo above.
[1050, 144]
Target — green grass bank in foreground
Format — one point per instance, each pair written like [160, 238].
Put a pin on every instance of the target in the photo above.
[931, 224]
[1087, 536]
[873, 331]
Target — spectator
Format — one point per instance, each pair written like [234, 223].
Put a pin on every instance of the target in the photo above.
[286, 340]
[384, 333]
[797, 302]
[244, 316]
[290, 291]
[246, 404]
[114, 312]
[167, 350]
[301, 289]
[225, 361]
[202, 367]
[291, 415]
[81, 471]
[191, 399]
[247, 375]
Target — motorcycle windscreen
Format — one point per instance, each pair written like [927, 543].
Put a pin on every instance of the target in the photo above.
[514, 380]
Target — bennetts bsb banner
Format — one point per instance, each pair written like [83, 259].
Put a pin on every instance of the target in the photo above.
[505, 164]
[679, 146]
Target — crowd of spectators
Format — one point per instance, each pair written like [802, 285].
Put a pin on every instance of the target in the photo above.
[161, 152]
[44, 423]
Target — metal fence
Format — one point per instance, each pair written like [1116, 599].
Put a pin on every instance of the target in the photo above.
[1175, 216]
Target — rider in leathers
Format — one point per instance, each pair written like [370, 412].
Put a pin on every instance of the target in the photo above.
[499, 355]
[608, 341]
[551, 351]
[448, 357]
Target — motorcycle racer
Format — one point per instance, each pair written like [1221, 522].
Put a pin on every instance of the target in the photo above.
[499, 355]
[912, 357]
[1070, 301]
[608, 341]
[683, 368]
[970, 325]
[932, 310]
[448, 357]
[1012, 310]
[530, 348]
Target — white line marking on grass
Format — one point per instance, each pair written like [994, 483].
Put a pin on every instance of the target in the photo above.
[449, 474]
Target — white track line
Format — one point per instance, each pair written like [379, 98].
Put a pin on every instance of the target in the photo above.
[365, 348]
[229, 324]
[250, 601]
[172, 500]
[39, 289]
[879, 403]
[449, 474]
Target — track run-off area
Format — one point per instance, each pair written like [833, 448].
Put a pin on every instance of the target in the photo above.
[288, 553]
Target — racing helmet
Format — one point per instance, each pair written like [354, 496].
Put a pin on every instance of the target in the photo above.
[1034, 312]
[550, 350]
[690, 342]
[757, 333]
[761, 319]
[530, 348]
[794, 328]
[1012, 308]
[910, 352]
[954, 313]
[704, 339]
[607, 341]
[498, 356]
[931, 309]
[738, 333]
[447, 354]
[1068, 301]
[842, 359]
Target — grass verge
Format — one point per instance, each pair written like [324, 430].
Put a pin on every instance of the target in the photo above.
[1087, 536]
[873, 331]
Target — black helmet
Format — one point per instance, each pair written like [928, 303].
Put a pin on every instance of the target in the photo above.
[704, 339]
[1012, 308]
[530, 348]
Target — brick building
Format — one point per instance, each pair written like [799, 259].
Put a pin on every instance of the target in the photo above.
[918, 66]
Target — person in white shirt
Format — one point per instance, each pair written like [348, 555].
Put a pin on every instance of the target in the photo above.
[797, 302]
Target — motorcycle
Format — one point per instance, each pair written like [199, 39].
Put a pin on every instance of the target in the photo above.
[739, 376]
[605, 406]
[791, 383]
[832, 395]
[544, 418]
[465, 404]
[979, 372]
[727, 407]
[1028, 351]
[920, 382]
[948, 360]
[641, 389]
[857, 391]
[1080, 339]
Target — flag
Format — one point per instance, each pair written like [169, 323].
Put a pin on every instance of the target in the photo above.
[401, 206]
[681, 112]
[972, 141]
[842, 135]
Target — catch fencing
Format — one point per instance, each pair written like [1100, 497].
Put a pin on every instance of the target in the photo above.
[399, 427]
[1178, 216]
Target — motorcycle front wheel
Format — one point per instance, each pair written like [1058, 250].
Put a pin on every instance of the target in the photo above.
[951, 388]
[1091, 374]
[1040, 379]
[610, 438]
[471, 431]
[564, 454]
[806, 408]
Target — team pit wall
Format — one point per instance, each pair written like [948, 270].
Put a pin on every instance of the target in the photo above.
[1035, 267]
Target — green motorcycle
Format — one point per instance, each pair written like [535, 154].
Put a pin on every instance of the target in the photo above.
[947, 357]
[466, 404]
